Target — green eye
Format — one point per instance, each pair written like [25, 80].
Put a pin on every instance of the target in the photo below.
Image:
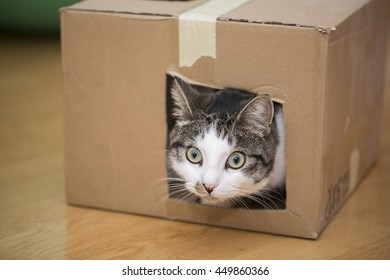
[236, 160]
[194, 155]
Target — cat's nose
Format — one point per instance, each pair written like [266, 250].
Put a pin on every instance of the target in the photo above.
[209, 187]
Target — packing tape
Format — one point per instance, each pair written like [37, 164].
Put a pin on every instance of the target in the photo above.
[197, 30]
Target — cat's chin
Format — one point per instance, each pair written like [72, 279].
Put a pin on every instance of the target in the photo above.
[213, 201]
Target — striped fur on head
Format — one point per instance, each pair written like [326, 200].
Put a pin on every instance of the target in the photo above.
[219, 124]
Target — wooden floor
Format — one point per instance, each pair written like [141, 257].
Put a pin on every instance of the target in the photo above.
[36, 222]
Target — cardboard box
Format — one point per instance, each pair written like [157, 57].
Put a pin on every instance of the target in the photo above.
[323, 60]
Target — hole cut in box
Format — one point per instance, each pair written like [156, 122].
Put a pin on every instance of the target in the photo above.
[225, 147]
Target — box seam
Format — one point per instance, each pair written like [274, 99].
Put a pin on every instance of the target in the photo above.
[324, 46]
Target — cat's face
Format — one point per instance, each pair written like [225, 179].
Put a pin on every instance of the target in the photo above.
[220, 144]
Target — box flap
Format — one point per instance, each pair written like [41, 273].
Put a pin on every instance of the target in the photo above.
[323, 15]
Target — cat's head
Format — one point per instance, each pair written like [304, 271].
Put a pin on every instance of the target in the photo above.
[221, 144]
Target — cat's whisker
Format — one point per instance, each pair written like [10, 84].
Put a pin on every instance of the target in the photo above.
[264, 197]
[186, 197]
[162, 191]
[244, 209]
[164, 182]
[161, 187]
[239, 201]
[167, 193]
[176, 192]
[265, 194]
[170, 179]
[258, 201]
[273, 198]
[164, 188]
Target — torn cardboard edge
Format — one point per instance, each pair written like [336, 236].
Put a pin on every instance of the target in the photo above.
[323, 29]
[204, 210]
[277, 95]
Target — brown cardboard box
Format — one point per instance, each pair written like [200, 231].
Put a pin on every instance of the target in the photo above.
[324, 60]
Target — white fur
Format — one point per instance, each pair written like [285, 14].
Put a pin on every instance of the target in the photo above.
[230, 183]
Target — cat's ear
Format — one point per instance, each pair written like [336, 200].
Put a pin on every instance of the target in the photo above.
[258, 114]
[181, 93]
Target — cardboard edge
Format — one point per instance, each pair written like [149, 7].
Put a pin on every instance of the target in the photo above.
[310, 236]
[173, 73]
[63, 103]
[320, 132]
[149, 15]
[323, 29]
[279, 98]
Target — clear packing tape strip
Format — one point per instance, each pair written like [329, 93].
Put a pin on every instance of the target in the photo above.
[197, 30]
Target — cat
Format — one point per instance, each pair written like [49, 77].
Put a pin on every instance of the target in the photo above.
[225, 147]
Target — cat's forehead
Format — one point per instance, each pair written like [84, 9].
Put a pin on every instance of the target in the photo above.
[213, 142]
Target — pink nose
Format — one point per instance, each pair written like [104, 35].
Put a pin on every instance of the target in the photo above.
[209, 187]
